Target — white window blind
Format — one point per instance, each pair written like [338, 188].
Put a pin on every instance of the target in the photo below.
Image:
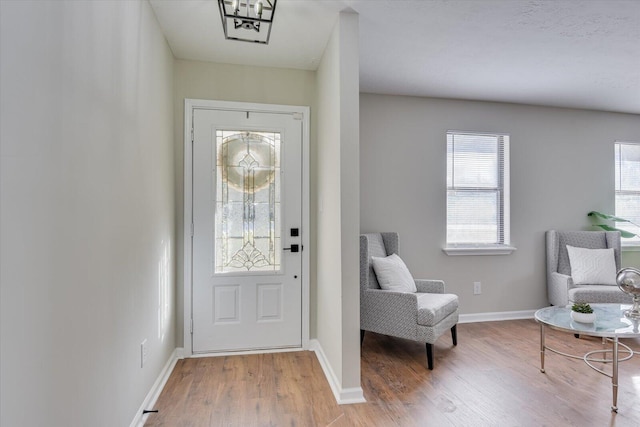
[477, 189]
[627, 188]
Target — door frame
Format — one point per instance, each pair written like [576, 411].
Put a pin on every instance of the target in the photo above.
[187, 232]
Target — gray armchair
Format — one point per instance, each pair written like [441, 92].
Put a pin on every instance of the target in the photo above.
[422, 316]
[560, 287]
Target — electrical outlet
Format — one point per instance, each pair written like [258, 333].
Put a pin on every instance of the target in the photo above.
[477, 288]
[143, 353]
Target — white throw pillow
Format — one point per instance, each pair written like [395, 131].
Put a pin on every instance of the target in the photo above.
[393, 274]
[592, 266]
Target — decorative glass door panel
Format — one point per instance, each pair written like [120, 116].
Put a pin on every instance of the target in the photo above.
[247, 213]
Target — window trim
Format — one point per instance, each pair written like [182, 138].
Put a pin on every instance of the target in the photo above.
[626, 246]
[503, 191]
[479, 250]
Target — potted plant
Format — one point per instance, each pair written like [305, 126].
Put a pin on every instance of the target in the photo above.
[602, 216]
[583, 313]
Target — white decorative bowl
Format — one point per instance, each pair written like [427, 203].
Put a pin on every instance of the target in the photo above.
[583, 317]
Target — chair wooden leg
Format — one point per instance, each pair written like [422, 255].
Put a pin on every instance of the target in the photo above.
[361, 336]
[430, 356]
[454, 334]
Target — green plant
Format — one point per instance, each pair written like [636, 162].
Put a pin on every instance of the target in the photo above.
[607, 217]
[582, 307]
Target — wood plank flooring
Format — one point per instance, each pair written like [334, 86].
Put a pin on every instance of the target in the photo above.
[491, 378]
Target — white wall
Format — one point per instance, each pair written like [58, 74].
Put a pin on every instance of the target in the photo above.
[225, 82]
[561, 168]
[87, 210]
[337, 194]
[350, 200]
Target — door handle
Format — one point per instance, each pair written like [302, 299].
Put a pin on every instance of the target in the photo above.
[293, 248]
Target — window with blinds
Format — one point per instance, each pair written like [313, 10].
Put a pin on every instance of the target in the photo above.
[477, 190]
[627, 188]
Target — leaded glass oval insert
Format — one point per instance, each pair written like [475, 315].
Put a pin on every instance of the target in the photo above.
[248, 210]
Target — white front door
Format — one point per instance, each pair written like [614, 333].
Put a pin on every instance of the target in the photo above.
[247, 230]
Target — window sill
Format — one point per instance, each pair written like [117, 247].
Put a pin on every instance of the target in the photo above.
[478, 250]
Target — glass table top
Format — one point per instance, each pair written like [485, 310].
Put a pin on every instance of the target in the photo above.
[610, 321]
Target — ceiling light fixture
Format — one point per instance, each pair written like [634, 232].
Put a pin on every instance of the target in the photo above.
[247, 20]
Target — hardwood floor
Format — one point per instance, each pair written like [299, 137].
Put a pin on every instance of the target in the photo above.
[491, 378]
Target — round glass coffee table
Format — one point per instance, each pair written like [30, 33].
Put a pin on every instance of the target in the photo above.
[611, 324]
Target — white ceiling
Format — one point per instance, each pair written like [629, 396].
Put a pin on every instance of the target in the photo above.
[565, 53]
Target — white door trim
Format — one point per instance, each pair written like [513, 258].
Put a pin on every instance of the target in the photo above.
[189, 105]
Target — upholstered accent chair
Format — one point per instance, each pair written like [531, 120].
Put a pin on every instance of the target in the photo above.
[561, 288]
[421, 316]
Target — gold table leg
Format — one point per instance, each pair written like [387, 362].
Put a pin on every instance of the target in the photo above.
[614, 375]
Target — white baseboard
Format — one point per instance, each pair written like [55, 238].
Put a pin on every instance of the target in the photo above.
[343, 396]
[492, 317]
[180, 353]
[157, 387]
[351, 395]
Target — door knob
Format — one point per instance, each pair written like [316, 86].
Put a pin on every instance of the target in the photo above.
[293, 248]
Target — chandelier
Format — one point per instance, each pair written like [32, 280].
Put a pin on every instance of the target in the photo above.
[247, 20]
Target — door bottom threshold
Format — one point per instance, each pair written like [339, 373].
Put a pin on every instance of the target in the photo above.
[245, 352]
